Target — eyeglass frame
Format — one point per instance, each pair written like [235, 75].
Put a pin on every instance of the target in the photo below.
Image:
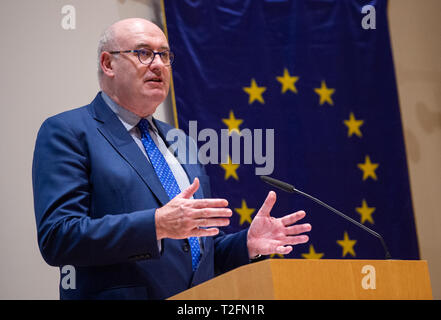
[137, 51]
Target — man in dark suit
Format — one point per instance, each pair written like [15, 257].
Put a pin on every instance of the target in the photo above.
[115, 203]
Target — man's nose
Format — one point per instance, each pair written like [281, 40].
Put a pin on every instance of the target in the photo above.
[156, 62]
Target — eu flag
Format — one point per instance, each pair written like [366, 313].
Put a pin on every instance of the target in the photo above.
[308, 88]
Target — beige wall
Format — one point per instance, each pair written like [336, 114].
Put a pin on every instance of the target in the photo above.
[415, 28]
[46, 69]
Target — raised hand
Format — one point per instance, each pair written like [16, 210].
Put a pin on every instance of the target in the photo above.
[268, 235]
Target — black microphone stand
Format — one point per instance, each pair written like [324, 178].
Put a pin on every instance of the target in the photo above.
[290, 188]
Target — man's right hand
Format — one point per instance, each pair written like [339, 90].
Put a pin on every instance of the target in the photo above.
[183, 217]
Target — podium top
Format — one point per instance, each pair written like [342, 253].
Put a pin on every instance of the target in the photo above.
[288, 279]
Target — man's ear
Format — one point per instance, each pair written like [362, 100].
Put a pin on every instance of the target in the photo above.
[106, 63]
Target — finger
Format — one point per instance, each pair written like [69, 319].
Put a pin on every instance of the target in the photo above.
[207, 232]
[297, 229]
[211, 213]
[208, 203]
[188, 193]
[293, 240]
[293, 217]
[219, 222]
[265, 209]
[283, 249]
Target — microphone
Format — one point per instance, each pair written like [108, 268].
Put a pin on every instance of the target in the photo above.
[290, 188]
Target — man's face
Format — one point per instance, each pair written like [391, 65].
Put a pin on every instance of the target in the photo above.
[137, 84]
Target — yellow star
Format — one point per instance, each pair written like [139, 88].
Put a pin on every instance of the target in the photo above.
[312, 254]
[347, 245]
[232, 123]
[368, 168]
[353, 125]
[288, 82]
[281, 256]
[365, 212]
[230, 169]
[325, 94]
[244, 212]
[255, 92]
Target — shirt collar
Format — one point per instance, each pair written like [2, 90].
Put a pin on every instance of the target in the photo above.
[127, 117]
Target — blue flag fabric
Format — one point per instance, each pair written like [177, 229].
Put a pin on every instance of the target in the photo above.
[325, 84]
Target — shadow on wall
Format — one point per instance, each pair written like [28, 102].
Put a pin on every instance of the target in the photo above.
[429, 121]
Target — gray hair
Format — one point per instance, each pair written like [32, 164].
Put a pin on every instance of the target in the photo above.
[106, 42]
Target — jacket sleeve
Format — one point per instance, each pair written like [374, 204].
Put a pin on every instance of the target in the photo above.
[62, 197]
[230, 251]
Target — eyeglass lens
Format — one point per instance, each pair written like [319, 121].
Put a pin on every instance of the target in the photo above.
[147, 56]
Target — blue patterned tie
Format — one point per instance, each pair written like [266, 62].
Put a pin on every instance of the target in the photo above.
[167, 179]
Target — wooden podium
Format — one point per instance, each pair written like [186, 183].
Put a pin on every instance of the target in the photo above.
[290, 279]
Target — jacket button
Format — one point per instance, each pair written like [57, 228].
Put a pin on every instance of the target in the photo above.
[186, 247]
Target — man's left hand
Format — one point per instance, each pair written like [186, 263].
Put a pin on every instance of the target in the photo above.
[268, 235]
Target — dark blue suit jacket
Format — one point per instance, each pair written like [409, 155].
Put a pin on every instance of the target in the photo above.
[95, 197]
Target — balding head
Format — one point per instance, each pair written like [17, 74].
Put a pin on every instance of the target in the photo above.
[109, 39]
[122, 76]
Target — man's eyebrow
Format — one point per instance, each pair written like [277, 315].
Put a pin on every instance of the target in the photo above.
[144, 45]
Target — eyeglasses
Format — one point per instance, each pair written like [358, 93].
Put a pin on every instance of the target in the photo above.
[146, 56]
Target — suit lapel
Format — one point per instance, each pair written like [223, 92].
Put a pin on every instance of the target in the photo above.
[116, 134]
